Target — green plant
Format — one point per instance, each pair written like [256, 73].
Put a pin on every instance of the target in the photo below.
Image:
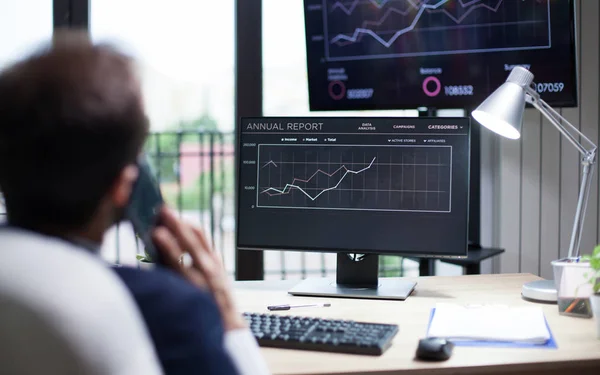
[165, 146]
[145, 258]
[594, 276]
[197, 196]
[391, 266]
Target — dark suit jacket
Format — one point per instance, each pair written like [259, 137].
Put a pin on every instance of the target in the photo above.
[183, 321]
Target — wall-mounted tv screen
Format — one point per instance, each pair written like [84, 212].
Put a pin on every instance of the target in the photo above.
[404, 54]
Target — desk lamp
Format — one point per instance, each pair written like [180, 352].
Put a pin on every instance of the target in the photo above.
[502, 113]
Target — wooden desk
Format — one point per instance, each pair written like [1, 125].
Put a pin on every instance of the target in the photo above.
[578, 349]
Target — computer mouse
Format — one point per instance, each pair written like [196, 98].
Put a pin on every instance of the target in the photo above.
[434, 349]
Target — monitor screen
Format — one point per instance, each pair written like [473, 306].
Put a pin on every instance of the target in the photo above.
[363, 185]
[404, 54]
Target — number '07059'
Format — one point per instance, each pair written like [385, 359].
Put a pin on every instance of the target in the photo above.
[549, 87]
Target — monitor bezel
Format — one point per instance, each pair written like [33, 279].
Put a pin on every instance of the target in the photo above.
[238, 142]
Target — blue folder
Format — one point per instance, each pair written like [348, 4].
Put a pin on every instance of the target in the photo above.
[550, 344]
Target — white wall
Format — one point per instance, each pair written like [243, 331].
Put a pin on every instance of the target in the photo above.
[531, 187]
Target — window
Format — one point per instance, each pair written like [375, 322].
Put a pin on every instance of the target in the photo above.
[185, 49]
[24, 27]
[185, 55]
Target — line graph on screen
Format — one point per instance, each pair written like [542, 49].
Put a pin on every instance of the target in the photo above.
[353, 177]
[364, 29]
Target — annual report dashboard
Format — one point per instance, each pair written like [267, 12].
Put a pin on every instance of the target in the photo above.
[366, 184]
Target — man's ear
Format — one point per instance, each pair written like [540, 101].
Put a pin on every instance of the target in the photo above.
[123, 185]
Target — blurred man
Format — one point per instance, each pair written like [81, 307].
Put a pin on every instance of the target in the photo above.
[72, 125]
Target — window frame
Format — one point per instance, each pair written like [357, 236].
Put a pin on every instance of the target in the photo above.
[71, 14]
[249, 265]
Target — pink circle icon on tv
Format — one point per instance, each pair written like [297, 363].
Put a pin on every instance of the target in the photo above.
[434, 92]
[339, 85]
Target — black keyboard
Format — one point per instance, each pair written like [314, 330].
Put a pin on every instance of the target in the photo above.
[303, 333]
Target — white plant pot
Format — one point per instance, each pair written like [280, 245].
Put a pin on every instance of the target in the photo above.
[595, 300]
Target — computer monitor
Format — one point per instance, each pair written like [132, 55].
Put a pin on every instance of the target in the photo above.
[354, 185]
[404, 54]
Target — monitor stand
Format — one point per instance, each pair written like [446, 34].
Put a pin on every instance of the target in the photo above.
[357, 277]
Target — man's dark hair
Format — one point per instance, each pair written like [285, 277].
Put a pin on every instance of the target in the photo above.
[71, 118]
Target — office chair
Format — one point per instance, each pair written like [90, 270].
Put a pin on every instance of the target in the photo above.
[63, 311]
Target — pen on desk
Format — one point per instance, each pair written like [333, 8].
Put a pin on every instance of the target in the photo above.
[289, 307]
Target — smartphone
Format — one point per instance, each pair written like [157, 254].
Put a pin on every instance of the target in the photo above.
[144, 205]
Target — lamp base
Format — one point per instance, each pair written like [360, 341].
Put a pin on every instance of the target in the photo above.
[540, 291]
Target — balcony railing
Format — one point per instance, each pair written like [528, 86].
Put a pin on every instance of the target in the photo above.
[196, 171]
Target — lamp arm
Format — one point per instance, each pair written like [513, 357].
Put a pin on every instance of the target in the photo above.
[588, 160]
[561, 124]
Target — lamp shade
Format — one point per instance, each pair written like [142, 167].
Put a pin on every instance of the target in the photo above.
[502, 111]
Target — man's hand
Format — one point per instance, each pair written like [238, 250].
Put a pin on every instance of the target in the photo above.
[174, 239]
